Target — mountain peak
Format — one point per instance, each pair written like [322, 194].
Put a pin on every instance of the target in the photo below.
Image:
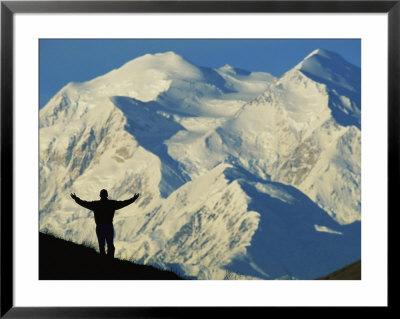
[168, 55]
[320, 52]
[226, 67]
[161, 61]
[332, 69]
[320, 57]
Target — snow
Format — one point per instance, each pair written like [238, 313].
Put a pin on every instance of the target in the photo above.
[241, 175]
[327, 230]
[343, 80]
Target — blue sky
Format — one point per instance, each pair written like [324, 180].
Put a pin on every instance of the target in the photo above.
[64, 60]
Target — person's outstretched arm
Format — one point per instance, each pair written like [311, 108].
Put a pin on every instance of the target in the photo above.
[124, 203]
[81, 202]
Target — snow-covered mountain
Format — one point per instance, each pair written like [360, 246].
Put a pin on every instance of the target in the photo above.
[242, 175]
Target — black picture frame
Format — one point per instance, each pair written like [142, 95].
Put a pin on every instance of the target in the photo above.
[9, 8]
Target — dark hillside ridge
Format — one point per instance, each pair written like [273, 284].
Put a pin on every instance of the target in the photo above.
[63, 260]
[350, 272]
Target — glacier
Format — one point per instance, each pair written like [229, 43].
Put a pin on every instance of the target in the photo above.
[242, 175]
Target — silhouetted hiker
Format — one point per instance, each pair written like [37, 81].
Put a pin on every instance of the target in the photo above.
[104, 210]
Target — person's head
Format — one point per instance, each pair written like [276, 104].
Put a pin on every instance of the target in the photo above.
[103, 194]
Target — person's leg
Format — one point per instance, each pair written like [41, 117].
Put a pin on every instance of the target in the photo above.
[110, 240]
[101, 238]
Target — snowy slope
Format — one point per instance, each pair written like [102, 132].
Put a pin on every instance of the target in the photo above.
[289, 134]
[242, 175]
[343, 81]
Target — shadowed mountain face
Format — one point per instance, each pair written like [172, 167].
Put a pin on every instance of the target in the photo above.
[241, 175]
[152, 126]
[314, 244]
